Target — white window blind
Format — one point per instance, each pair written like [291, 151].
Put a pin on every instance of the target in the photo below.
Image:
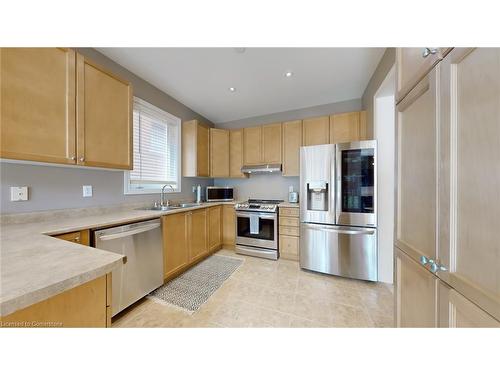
[156, 149]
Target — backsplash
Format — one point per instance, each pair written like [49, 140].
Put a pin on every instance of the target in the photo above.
[264, 186]
[52, 188]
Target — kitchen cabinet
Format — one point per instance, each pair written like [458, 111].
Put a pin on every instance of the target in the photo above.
[412, 64]
[292, 140]
[236, 153]
[456, 311]
[416, 292]
[252, 145]
[416, 199]
[104, 117]
[214, 228]
[195, 149]
[175, 243]
[83, 306]
[345, 127]
[37, 109]
[78, 113]
[219, 153]
[315, 131]
[81, 237]
[289, 233]
[363, 130]
[469, 175]
[271, 144]
[228, 226]
[197, 232]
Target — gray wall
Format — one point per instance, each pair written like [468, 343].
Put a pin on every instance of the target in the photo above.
[297, 114]
[383, 68]
[54, 187]
[276, 186]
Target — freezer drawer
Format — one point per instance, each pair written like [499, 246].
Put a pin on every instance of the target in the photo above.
[339, 250]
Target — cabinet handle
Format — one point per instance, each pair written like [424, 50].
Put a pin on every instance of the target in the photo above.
[77, 239]
[73, 158]
[429, 51]
[436, 267]
[82, 159]
[424, 260]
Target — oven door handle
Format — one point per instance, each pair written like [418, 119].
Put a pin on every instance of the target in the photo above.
[259, 214]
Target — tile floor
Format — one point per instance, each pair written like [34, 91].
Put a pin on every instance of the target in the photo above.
[264, 293]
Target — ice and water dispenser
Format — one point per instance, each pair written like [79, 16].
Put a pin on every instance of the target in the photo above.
[317, 196]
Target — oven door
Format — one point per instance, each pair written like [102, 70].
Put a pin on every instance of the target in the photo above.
[265, 233]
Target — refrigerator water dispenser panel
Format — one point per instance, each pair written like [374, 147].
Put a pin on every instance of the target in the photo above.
[317, 196]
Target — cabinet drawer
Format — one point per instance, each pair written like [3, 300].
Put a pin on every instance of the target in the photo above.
[289, 247]
[81, 237]
[289, 221]
[290, 231]
[289, 211]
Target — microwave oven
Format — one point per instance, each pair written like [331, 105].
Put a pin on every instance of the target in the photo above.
[219, 194]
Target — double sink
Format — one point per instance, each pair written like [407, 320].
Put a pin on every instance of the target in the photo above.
[173, 206]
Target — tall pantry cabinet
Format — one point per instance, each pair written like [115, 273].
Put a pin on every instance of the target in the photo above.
[447, 260]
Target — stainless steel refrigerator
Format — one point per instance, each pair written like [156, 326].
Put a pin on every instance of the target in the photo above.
[338, 209]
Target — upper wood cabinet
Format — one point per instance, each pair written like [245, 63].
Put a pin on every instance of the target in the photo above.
[37, 106]
[271, 144]
[195, 149]
[104, 117]
[214, 228]
[219, 152]
[262, 144]
[416, 177]
[252, 145]
[412, 64]
[316, 131]
[59, 107]
[345, 127]
[236, 153]
[292, 140]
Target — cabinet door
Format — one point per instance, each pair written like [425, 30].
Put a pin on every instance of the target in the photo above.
[228, 225]
[271, 143]
[344, 127]
[456, 311]
[198, 234]
[316, 131]
[236, 153]
[219, 153]
[104, 117]
[292, 140]
[416, 294]
[202, 150]
[81, 237]
[37, 106]
[412, 65]
[214, 228]
[470, 204]
[175, 243]
[416, 170]
[252, 145]
[363, 130]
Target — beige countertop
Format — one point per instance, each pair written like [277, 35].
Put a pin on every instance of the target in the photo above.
[35, 266]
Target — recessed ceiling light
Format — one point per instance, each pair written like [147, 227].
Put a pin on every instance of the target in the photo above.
[288, 74]
[232, 89]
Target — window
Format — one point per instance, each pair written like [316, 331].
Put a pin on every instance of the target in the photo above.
[157, 150]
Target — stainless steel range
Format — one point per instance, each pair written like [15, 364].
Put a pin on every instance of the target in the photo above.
[257, 228]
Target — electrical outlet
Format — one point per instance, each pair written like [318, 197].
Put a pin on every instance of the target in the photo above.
[18, 193]
[87, 190]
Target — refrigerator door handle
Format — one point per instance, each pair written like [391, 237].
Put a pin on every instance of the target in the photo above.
[365, 231]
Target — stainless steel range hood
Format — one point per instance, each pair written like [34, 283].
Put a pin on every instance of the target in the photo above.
[261, 168]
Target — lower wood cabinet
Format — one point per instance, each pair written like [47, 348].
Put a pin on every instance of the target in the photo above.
[175, 243]
[228, 226]
[289, 237]
[198, 236]
[87, 305]
[81, 237]
[214, 228]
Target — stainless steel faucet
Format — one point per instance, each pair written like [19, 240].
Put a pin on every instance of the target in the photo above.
[164, 203]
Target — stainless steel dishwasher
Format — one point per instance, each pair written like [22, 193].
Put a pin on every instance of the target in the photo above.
[142, 268]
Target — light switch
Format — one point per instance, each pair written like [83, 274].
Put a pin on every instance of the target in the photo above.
[87, 190]
[18, 193]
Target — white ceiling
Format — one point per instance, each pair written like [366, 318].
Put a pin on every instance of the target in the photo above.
[200, 77]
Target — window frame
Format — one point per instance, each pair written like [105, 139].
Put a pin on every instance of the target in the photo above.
[130, 189]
